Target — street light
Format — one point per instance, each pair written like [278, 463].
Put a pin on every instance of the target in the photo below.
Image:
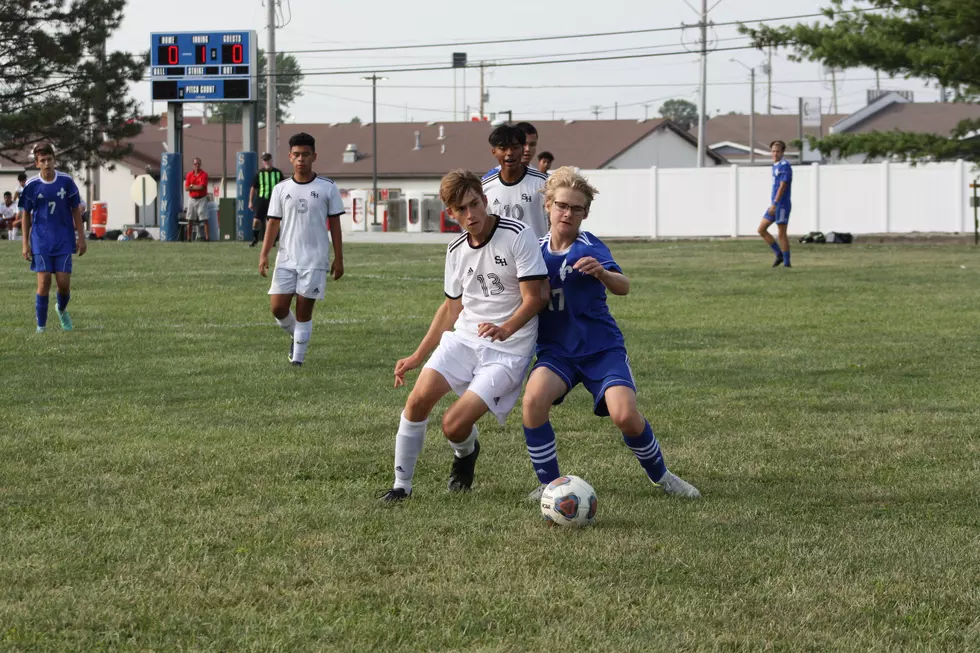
[374, 139]
[751, 115]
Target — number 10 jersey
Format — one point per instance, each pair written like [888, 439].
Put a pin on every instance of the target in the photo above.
[488, 277]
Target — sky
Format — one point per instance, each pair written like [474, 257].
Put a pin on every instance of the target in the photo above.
[569, 91]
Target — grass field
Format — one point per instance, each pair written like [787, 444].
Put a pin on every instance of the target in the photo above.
[168, 482]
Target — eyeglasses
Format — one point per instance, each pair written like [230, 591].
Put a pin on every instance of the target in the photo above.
[577, 211]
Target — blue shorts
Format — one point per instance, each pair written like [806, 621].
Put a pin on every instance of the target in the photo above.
[597, 373]
[781, 217]
[51, 263]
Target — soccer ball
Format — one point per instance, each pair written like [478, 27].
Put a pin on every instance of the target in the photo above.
[569, 501]
[123, 237]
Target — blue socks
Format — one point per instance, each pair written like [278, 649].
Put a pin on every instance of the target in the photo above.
[775, 248]
[647, 451]
[786, 258]
[543, 451]
[41, 310]
[63, 301]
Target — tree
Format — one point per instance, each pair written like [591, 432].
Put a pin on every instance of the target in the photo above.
[59, 86]
[682, 112]
[289, 79]
[355, 120]
[932, 39]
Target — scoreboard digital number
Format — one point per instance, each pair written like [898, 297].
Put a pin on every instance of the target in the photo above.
[203, 66]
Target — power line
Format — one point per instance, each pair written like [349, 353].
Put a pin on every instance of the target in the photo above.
[535, 87]
[560, 37]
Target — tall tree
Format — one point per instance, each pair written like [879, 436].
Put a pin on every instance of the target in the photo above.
[682, 112]
[58, 84]
[289, 80]
[932, 39]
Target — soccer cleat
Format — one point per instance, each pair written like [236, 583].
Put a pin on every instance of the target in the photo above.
[394, 495]
[534, 496]
[461, 476]
[296, 363]
[40, 329]
[675, 486]
[64, 318]
[778, 261]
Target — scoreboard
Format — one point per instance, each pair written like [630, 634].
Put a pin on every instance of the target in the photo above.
[204, 66]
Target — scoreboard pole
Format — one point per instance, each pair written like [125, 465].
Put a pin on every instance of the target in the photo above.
[172, 174]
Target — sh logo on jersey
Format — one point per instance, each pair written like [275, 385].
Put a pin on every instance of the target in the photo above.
[525, 197]
[500, 261]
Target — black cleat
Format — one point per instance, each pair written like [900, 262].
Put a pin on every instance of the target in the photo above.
[778, 261]
[461, 476]
[394, 495]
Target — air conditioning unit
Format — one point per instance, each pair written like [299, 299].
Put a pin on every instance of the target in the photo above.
[350, 153]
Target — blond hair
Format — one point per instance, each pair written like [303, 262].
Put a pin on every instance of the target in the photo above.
[454, 185]
[566, 177]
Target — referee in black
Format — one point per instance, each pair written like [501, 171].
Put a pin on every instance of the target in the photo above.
[265, 181]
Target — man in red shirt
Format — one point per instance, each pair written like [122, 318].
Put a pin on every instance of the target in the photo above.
[197, 207]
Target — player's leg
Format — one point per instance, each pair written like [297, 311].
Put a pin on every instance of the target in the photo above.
[784, 239]
[766, 236]
[459, 427]
[281, 298]
[63, 281]
[40, 263]
[548, 384]
[257, 232]
[639, 437]
[303, 329]
[430, 387]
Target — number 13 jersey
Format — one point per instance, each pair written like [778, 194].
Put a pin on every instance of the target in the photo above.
[488, 277]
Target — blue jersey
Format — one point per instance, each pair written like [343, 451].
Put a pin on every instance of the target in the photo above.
[781, 171]
[51, 204]
[577, 322]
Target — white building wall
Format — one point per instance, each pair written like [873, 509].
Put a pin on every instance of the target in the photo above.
[663, 149]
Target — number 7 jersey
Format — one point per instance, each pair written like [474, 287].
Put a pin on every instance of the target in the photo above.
[487, 278]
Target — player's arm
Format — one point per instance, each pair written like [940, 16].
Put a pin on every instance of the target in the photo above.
[444, 319]
[337, 236]
[271, 229]
[534, 299]
[76, 215]
[251, 198]
[26, 227]
[783, 186]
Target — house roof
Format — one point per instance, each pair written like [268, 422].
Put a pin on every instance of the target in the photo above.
[925, 117]
[733, 130]
[588, 144]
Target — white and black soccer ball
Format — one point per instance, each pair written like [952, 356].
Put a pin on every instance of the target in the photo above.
[569, 501]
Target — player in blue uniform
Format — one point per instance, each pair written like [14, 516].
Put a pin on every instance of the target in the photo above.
[580, 342]
[779, 209]
[52, 233]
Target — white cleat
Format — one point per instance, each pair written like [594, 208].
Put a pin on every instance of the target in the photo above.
[675, 486]
[535, 495]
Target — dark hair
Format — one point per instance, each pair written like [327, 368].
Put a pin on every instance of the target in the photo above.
[780, 143]
[7, 193]
[527, 128]
[507, 136]
[22, 176]
[267, 157]
[302, 139]
[43, 149]
[546, 156]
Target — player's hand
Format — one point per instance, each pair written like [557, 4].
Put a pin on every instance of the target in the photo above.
[263, 264]
[337, 268]
[588, 265]
[26, 251]
[404, 366]
[250, 207]
[82, 245]
[494, 332]
[772, 211]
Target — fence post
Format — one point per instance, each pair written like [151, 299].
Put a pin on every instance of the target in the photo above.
[654, 191]
[734, 201]
[815, 195]
[962, 191]
[886, 195]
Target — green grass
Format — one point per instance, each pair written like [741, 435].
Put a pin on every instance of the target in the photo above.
[168, 482]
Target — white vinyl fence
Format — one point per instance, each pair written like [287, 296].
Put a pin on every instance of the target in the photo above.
[861, 199]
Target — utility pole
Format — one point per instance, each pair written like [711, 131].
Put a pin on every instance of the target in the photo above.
[752, 121]
[374, 138]
[615, 110]
[481, 92]
[596, 109]
[703, 106]
[769, 72]
[271, 130]
[833, 81]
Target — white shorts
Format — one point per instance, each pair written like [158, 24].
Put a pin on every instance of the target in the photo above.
[311, 284]
[494, 376]
[197, 209]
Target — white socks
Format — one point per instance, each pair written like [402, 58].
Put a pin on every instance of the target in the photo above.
[288, 323]
[301, 340]
[408, 446]
[466, 447]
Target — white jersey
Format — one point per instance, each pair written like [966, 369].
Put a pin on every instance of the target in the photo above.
[488, 279]
[522, 200]
[8, 212]
[304, 238]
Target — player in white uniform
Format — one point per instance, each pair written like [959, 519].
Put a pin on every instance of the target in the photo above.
[515, 190]
[302, 206]
[495, 288]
